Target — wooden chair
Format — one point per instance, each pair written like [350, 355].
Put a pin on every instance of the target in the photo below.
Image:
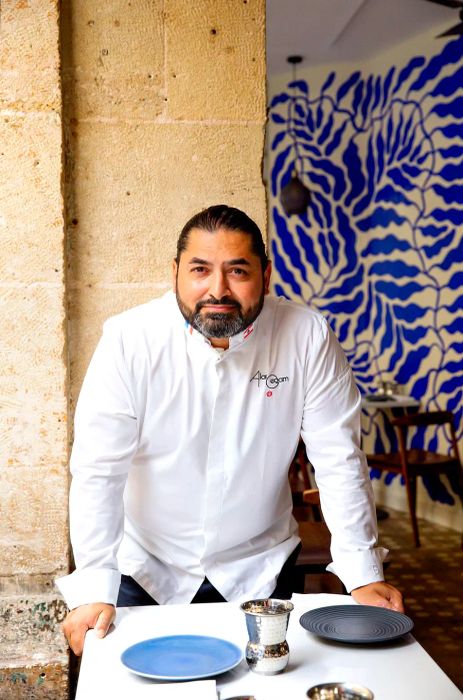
[300, 481]
[412, 463]
[315, 553]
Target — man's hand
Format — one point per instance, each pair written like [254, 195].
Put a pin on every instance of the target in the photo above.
[381, 594]
[97, 616]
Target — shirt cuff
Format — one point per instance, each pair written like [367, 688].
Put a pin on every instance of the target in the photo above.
[359, 568]
[90, 586]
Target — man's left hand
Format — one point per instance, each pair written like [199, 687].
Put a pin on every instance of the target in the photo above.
[381, 594]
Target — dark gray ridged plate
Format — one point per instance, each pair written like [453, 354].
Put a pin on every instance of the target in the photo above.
[356, 624]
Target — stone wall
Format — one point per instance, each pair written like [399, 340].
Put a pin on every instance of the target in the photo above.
[33, 371]
[163, 114]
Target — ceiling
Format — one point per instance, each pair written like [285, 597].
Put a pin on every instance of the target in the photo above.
[346, 30]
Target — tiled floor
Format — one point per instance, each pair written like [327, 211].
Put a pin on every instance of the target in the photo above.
[431, 580]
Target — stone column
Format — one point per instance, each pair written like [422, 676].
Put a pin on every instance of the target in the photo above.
[33, 368]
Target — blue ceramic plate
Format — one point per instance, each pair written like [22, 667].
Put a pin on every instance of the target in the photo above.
[356, 624]
[183, 657]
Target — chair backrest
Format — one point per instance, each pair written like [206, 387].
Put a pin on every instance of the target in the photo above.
[428, 418]
[312, 498]
[299, 478]
[445, 418]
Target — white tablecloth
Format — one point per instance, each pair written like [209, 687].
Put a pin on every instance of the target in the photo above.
[399, 670]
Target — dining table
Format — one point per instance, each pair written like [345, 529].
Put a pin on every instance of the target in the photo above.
[397, 669]
[392, 402]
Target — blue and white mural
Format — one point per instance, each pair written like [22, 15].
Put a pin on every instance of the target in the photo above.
[380, 249]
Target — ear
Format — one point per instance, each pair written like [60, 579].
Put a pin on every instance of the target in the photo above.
[174, 275]
[267, 273]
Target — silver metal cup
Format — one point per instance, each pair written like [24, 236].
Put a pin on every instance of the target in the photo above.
[339, 691]
[267, 619]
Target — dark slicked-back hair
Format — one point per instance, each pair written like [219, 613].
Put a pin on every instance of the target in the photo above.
[222, 216]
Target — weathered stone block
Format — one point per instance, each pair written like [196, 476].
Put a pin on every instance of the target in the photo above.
[215, 60]
[31, 204]
[33, 377]
[29, 583]
[150, 179]
[31, 628]
[113, 59]
[34, 655]
[29, 56]
[33, 526]
[42, 682]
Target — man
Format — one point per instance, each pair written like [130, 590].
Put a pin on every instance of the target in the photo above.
[188, 419]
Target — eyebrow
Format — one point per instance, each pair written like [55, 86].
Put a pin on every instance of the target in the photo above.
[234, 261]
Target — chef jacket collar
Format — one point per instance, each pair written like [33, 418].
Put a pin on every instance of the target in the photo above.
[233, 341]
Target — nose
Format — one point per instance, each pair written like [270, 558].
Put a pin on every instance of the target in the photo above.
[218, 286]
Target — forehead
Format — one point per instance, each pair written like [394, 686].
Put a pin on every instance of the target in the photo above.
[222, 243]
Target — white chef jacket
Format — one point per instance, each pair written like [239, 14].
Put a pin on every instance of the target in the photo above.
[181, 456]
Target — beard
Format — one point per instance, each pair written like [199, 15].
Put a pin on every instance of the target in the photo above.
[217, 324]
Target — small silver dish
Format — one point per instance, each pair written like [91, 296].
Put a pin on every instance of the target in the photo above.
[339, 691]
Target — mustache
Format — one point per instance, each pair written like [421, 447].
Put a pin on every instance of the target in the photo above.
[218, 302]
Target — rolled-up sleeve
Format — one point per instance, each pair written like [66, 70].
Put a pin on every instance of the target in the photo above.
[106, 438]
[331, 433]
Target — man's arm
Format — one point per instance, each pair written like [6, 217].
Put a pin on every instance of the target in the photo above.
[106, 438]
[98, 616]
[331, 432]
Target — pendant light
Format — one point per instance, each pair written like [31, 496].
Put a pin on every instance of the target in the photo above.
[294, 196]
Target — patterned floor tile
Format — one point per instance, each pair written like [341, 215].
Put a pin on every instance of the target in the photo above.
[431, 580]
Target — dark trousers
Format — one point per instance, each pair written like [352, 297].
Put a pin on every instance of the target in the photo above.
[131, 593]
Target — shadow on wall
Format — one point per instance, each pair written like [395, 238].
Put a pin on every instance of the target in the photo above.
[380, 249]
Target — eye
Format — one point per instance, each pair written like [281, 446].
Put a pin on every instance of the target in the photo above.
[199, 269]
[239, 272]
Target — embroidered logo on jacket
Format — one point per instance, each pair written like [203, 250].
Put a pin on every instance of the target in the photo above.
[271, 381]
